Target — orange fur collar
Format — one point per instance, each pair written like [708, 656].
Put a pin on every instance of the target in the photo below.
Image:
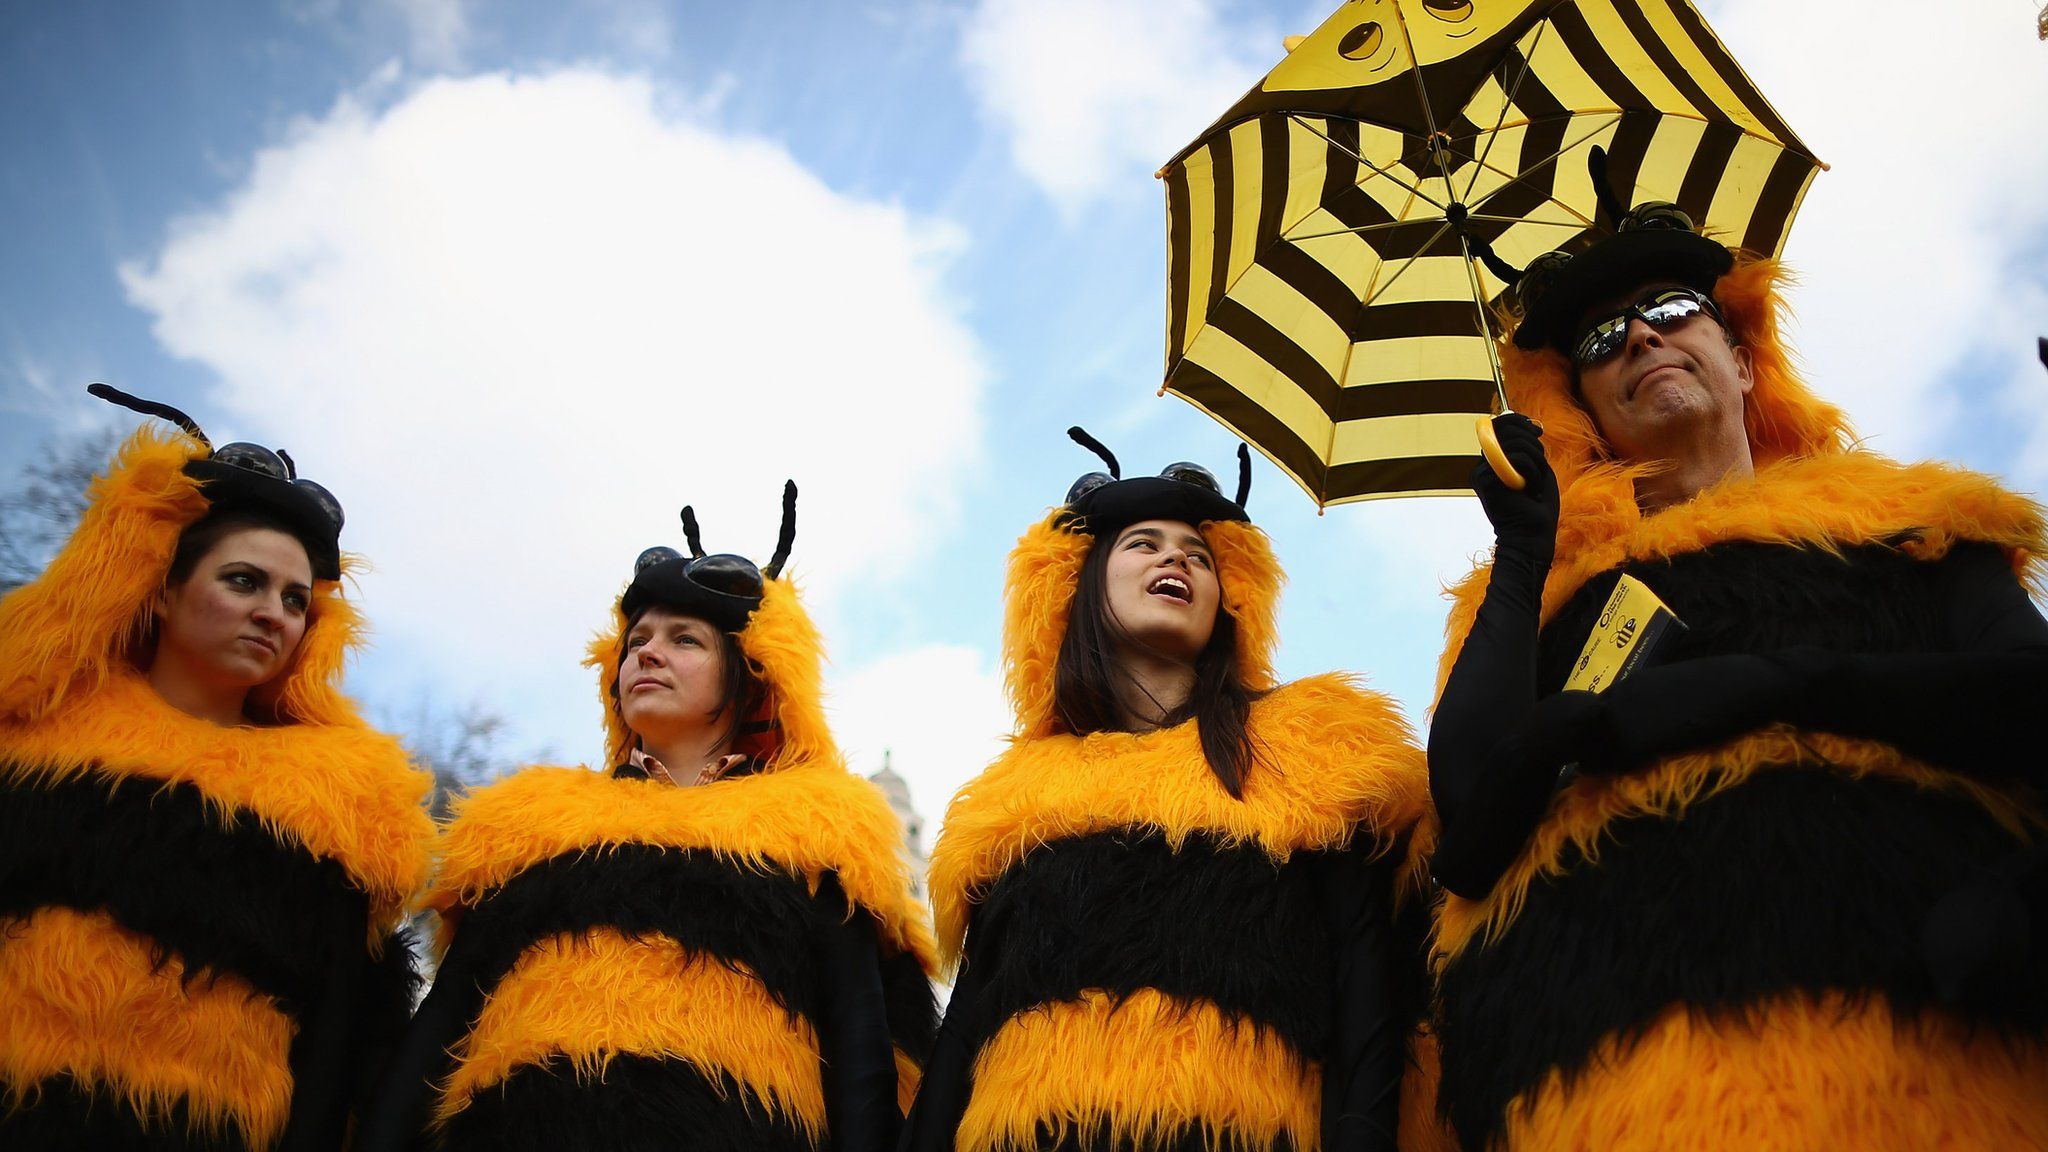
[1332, 759]
[344, 792]
[806, 817]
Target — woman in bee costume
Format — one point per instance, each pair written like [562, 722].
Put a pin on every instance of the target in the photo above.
[1779, 899]
[204, 851]
[711, 947]
[1173, 899]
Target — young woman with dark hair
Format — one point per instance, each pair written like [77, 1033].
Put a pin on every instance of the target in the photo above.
[1174, 900]
[204, 851]
[713, 945]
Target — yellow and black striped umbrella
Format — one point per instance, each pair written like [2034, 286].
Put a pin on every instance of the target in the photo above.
[1325, 296]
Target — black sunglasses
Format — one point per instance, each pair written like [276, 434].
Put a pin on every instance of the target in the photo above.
[1185, 471]
[1662, 309]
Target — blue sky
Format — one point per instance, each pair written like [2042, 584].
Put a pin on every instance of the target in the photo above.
[517, 280]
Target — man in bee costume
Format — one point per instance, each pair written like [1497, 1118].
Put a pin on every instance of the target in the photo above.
[734, 965]
[196, 920]
[1155, 952]
[1769, 891]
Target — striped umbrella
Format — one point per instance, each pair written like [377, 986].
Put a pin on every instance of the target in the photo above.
[1329, 293]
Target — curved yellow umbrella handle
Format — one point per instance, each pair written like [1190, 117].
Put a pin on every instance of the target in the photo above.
[1489, 447]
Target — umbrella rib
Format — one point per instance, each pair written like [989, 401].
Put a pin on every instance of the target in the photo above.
[1376, 169]
[1381, 290]
[1415, 70]
[1507, 102]
[1365, 228]
[1525, 173]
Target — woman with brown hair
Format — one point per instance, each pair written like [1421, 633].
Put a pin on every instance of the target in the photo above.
[711, 946]
[1173, 900]
[204, 850]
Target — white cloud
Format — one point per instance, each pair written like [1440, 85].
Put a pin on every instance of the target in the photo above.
[1096, 94]
[516, 322]
[938, 713]
[1912, 250]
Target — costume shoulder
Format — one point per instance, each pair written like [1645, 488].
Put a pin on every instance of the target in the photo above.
[1830, 500]
[804, 818]
[1332, 760]
[342, 791]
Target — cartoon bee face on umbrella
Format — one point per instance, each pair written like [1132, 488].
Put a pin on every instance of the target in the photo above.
[1369, 42]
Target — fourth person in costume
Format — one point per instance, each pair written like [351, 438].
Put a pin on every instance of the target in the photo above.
[1769, 891]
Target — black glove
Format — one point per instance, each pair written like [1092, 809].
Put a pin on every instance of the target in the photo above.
[1513, 790]
[1664, 709]
[1524, 522]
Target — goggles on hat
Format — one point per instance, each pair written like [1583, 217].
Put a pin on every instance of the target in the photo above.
[1187, 472]
[723, 572]
[1663, 309]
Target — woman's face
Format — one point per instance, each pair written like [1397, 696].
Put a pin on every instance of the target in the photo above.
[671, 677]
[1163, 593]
[238, 617]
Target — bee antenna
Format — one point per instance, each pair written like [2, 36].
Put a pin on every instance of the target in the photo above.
[113, 395]
[1093, 445]
[788, 534]
[690, 532]
[1596, 166]
[1244, 473]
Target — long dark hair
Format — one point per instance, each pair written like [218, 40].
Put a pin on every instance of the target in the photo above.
[1086, 678]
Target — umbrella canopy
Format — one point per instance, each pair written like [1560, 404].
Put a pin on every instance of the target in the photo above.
[1328, 295]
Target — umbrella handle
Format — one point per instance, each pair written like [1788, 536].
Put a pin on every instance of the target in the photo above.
[1489, 447]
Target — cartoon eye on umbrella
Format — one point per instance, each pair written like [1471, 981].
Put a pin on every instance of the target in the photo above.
[1341, 241]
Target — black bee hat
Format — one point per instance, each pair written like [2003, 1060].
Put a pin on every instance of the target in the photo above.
[1104, 503]
[244, 475]
[723, 588]
[1655, 240]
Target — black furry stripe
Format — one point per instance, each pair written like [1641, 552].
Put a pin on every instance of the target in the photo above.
[1123, 912]
[912, 1006]
[1796, 881]
[1746, 597]
[766, 921]
[223, 898]
[61, 1116]
[641, 1105]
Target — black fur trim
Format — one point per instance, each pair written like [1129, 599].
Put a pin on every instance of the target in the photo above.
[60, 1116]
[641, 1105]
[1748, 597]
[1122, 912]
[766, 921]
[158, 859]
[912, 1006]
[1796, 881]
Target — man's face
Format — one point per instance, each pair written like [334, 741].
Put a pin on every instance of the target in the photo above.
[1664, 386]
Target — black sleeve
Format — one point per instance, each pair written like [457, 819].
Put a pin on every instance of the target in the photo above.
[397, 1118]
[1368, 1037]
[856, 1060]
[324, 1052]
[949, 1075]
[1486, 802]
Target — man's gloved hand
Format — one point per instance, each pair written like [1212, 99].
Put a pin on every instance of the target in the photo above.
[1665, 709]
[1524, 522]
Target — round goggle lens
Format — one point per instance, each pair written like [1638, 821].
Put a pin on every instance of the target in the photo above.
[653, 556]
[1087, 484]
[1188, 472]
[253, 457]
[726, 573]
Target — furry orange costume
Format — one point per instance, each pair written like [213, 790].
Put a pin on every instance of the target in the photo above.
[196, 942]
